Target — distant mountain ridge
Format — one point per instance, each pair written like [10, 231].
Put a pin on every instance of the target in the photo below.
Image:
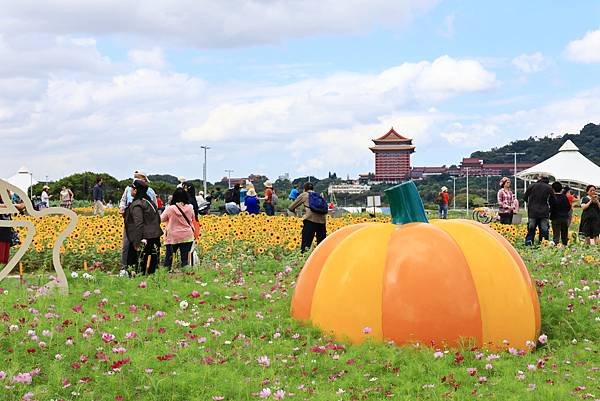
[539, 149]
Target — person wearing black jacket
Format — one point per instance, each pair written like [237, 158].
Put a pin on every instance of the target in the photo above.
[538, 197]
[559, 214]
[142, 227]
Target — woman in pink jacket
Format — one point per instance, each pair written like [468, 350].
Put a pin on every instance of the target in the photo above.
[179, 233]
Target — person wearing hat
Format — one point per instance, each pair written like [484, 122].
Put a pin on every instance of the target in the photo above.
[268, 199]
[442, 200]
[506, 201]
[538, 201]
[126, 200]
[181, 180]
[142, 226]
[45, 198]
[252, 206]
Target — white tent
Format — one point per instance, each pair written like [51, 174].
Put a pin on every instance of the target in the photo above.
[22, 180]
[567, 166]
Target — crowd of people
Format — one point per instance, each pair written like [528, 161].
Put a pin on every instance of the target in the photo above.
[547, 206]
[143, 212]
[143, 216]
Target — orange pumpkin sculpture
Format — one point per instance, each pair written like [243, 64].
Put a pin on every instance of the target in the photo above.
[448, 282]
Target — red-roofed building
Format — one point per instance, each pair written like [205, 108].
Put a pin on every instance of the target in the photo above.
[392, 157]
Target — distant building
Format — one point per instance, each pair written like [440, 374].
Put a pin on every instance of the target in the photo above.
[478, 167]
[284, 176]
[348, 188]
[392, 157]
[421, 172]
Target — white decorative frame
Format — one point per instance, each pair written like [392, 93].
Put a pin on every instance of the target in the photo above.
[8, 208]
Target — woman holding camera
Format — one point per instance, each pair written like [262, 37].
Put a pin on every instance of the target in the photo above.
[590, 217]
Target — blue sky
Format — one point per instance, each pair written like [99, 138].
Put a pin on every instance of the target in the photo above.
[277, 86]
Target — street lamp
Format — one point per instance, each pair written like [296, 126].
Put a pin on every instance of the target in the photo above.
[515, 168]
[453, 193]
[229, 177]
[467, 192]
[204, 168]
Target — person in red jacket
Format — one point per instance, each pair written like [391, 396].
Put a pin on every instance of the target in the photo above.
[443, 199]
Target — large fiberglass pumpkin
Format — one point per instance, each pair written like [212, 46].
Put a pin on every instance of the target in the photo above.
[445, 282]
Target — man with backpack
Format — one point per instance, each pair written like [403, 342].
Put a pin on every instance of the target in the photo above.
[315, 216]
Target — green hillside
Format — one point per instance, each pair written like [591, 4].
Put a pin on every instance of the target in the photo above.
[539, 149]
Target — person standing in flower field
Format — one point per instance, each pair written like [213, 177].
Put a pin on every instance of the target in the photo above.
[294, 193]
[559, 215]
[98, 197]
[268, 199]
[66, 197]
[315, 216]
[142, 225]
[538, 197]
[443, 200]
[506, 201]
[589, 226]
[179, 233]
[126, 200]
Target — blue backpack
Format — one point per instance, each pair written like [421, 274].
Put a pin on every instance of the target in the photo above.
[316, 203]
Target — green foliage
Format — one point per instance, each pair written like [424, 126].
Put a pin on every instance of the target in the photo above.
[539, 149]
[236, 338]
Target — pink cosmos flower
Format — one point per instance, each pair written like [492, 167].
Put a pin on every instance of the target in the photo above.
[543, 339]
[22, 378]
[472, 371]
[131, 334]
[438, 354]
[483, 379]
[265, 393]
[489, 366]
[263, 361]
[367, 330]
[195, 294]
[2, 375]
[279, 394]
[218, 397]
[27, 396]
[143, 284]
[159, 314]
[107, 337]
[201, 340]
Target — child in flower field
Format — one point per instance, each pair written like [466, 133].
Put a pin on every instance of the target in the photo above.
[142, 226]
[179, 233]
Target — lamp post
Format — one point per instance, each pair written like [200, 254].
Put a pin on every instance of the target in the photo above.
[467, 192]
[229, 177]
[204, 168]
[515, 168]
[453, 193]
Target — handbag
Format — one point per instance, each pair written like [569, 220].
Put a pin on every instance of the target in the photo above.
[195, 259]
[195, 227]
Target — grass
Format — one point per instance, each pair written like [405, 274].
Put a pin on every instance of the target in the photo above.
[224, 331]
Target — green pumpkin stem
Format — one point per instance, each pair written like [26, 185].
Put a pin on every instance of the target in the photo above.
[405, 204]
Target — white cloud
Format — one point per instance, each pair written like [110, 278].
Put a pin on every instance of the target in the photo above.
[153, 58]
[567, 115]
[208, 23]
[341, 100]
[586, 49]
[530, 63]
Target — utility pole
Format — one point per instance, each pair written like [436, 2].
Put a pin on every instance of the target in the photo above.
[467, 192]
[487, 189]
[515, 168]
[453, 193]
[204, 168]
[229, 177]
